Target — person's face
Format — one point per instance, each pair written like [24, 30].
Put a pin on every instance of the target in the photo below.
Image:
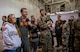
[32, 18]
[69, 21]
[59, 17]
[43, 12]
[48, 14]
[13, 19]
[71, 18]
[24, 12]
[3, 18]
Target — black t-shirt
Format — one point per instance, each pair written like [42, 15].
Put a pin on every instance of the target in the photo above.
[23, 29]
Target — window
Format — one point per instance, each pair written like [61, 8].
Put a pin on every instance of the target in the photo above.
[47, 8]
[62, 7]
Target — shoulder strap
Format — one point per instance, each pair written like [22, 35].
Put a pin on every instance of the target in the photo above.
[18, 21]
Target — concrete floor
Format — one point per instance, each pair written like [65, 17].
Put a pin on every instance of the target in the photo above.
[55, 49]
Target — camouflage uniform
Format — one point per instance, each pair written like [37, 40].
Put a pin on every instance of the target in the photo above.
[46, 38]
[70, 36]
[64, 33]
[77, 36]
[48, 19]
[67, 37]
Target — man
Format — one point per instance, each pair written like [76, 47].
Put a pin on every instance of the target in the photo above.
[4, 20]
[71, 36]
[58, 31]
[49, 20]
[46, 38]
[23, 24]
[77, 34]
[3, 23]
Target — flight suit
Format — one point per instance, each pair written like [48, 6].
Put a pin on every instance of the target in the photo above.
[71, 35]
[46, 38]
[77, 36]
[64, 33]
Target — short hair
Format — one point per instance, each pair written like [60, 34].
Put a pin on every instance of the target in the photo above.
[10, 18]
[23, 9]
[59, 15]
[4, 16]
[41, 10]
[72, 16]
[32, 16]
[79, 14]
[64, 21]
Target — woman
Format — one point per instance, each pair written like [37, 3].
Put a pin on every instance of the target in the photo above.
[34, 34]
[11, 39]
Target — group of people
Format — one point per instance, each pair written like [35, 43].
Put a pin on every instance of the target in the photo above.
[29, 35]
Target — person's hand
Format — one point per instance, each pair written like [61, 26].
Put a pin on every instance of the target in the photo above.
[39, 33]
[51, 28]
[36, 23]
[3, 28]
[29, 23]
[28, 36]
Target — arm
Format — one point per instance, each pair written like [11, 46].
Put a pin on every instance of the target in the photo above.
[6, 37]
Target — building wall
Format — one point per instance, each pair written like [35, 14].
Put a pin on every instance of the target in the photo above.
[14, 6]
[69, 5]
[78, 4]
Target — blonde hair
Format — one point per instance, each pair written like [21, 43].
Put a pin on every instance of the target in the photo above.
[10, 18]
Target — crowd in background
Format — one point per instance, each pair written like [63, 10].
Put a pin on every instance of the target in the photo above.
[29, 35]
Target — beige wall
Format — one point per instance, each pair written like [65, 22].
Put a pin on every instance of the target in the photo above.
[14, 6]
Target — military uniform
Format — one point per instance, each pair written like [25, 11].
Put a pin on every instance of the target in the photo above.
[64, 33]
[70, 36]
[46, 38]
[67, 37]
[48, 19]
[77, 36]
[58, 31]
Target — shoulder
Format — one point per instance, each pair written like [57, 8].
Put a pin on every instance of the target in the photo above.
[38, 19]
[7, 24]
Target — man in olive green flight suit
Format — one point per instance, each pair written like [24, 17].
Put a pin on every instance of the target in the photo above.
[46, 38]
[77, 35]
